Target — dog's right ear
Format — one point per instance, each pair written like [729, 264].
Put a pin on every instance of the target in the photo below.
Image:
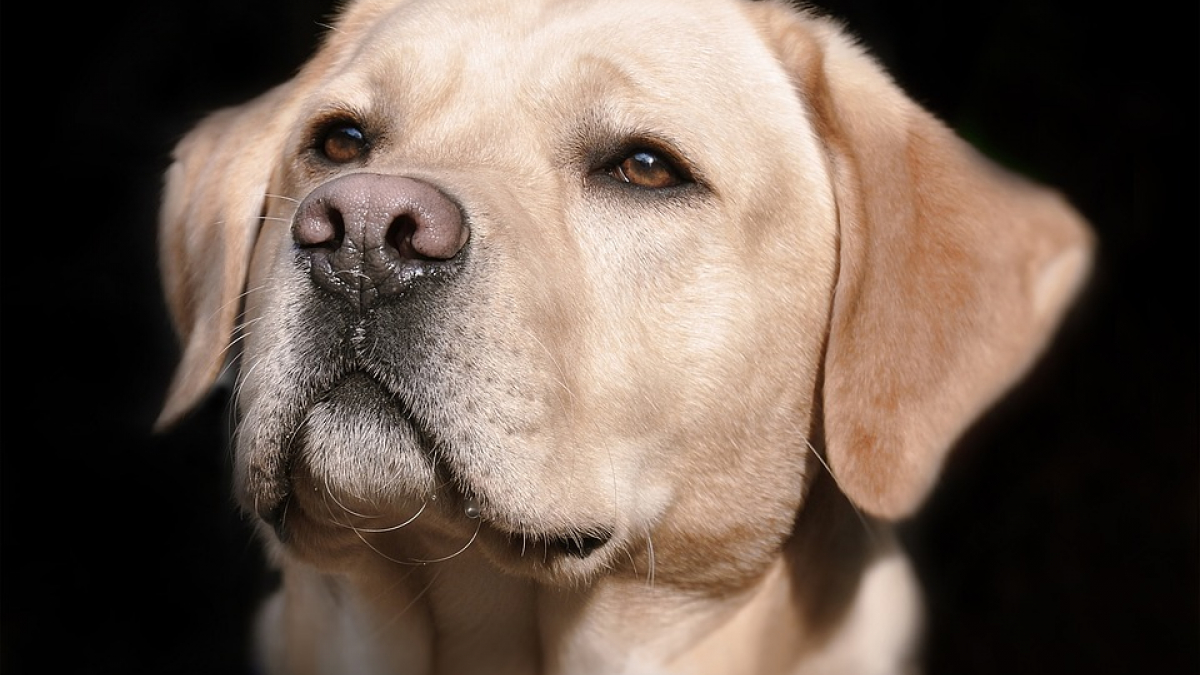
[211, 212]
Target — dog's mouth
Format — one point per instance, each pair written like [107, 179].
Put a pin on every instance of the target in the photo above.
[579, 544]
[573, 555]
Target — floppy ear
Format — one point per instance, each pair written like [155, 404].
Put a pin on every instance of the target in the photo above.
[952, 273]
[211, 212]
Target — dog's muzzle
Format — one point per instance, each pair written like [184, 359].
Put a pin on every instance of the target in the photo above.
[377, 248]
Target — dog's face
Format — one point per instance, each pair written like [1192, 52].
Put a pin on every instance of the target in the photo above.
[568, 284]
[586, 369]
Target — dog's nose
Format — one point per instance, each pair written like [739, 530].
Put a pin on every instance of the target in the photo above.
[368, 236]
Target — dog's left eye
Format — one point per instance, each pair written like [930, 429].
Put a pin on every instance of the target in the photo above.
[647, 169]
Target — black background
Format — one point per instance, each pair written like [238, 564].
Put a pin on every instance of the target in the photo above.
[1063, 539]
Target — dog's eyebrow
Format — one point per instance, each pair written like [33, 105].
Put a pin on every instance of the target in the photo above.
[599, 73]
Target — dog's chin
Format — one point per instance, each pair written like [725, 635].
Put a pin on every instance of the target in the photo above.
[366, 485]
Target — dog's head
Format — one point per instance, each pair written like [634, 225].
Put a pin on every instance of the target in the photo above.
[586, 284]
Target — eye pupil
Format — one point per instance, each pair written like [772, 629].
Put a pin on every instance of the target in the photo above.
[343, 143]
[646, 169]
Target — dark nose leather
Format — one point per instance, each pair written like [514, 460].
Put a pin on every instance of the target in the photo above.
[368, 236]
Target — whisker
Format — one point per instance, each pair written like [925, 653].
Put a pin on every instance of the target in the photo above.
[862, 519]
[333, 517]
[560, 379]
[274, 195]
[212, 315]
[632, 561]
[460, 551]
[371, 530]
[384, 625]
[416, 561]
[381, 554]
[239, 328]
[240, 334]
[241, 331]
[343, 507]
[328, 495]
[241, 384]
[393, 528]
[650, 560]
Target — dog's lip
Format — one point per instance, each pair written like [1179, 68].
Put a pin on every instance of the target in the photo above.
[577, 542]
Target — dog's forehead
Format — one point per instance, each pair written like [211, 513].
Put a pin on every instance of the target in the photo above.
[535, 48]
[498, 27]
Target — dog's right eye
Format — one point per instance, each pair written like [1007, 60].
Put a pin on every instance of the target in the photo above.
[649, 165]
[342, 142]
[647, 169]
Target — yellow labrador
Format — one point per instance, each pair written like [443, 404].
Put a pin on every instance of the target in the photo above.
[598, 337]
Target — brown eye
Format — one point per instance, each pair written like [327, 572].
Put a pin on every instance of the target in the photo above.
[343, 142]
[648, 170]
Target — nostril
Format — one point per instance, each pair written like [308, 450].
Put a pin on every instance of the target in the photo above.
[400, 237]
[426, 235]
[324, 227]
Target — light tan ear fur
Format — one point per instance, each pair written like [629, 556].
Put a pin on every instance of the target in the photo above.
[212, 205]
[953, 274]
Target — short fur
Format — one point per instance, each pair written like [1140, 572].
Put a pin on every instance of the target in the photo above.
[727, 388]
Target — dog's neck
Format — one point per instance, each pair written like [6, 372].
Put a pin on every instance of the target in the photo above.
[839, 599]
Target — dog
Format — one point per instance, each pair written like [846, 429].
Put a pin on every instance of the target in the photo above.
[598, 337]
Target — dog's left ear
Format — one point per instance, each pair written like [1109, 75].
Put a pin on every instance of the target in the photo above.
[211, 213]
[953, 274]
[213, 206]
